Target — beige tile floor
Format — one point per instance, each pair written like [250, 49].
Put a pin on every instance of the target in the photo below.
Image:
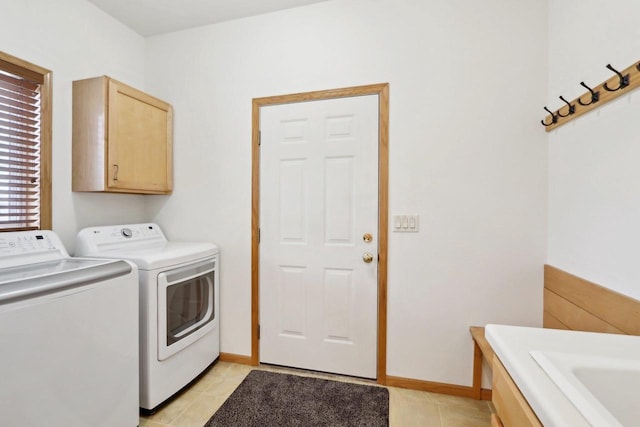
[406, 407]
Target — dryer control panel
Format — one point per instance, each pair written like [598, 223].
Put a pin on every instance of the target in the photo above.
[135, 232]
[93, 240]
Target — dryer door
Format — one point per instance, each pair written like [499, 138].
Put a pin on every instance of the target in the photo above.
[186, 306]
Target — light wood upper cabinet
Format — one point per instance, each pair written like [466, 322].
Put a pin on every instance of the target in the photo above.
[122, 139]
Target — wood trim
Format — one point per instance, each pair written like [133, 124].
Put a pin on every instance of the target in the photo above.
[374, 89]
[383, 221]
[255, 236]
[235, 358]
[574, 317]
[434, 387]
[587, 306]
[46, 137]
[382, 90]
[24, 68]
[495, 421]
[551, 322]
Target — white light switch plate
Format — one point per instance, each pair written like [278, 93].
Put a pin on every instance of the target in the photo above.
[405, 223]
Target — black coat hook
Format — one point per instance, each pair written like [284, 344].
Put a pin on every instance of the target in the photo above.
[554, 118]
[595, 96]
[572, 108]
[624, 80]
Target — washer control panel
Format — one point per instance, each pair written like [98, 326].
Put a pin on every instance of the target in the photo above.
[25, 247]
[23, 242]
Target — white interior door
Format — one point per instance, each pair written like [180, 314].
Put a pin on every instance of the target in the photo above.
[318, 200]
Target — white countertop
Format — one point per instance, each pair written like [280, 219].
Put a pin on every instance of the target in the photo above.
[512, 345]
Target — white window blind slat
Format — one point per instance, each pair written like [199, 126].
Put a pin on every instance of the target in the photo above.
[9, 124]
[23, 149]
[19, 152]
[17, 119]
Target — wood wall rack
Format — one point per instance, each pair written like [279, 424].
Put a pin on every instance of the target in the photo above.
[621, 83]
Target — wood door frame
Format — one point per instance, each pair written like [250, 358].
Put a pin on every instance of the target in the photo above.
[382, 90]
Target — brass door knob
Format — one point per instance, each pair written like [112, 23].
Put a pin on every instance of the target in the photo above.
[367, 257]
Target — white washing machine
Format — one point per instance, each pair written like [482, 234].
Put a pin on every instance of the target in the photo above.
[179, 303]
[69, 334]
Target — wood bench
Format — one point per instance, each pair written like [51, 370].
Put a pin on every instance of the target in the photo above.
[511, 407]
[481, 349]
[569, 303]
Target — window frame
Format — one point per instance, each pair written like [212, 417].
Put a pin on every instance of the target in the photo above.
[34, 72]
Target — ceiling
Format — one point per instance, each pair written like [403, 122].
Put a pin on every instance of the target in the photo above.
[151, 17]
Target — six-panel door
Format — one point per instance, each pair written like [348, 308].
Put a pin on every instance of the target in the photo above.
[318, 245]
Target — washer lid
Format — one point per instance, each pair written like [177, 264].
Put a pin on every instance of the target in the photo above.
[29, 271]
[44, 278]
[167, 254]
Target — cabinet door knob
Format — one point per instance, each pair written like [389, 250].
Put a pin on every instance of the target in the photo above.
[115, 172]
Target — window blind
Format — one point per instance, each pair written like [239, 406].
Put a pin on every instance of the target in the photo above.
[19, 152]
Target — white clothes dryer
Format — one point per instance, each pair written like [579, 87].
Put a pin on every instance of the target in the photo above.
[179, 303]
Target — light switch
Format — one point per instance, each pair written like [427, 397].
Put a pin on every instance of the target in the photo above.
[405, 223]
[412, 222]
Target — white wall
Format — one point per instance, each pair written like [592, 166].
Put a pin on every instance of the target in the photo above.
[467, 80]
[74, 40]
[594, 178]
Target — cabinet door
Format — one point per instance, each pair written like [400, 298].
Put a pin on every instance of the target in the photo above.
[139, 141]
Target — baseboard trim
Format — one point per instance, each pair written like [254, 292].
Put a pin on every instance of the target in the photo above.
[433, 387]
[430, 386]
[235, 358]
